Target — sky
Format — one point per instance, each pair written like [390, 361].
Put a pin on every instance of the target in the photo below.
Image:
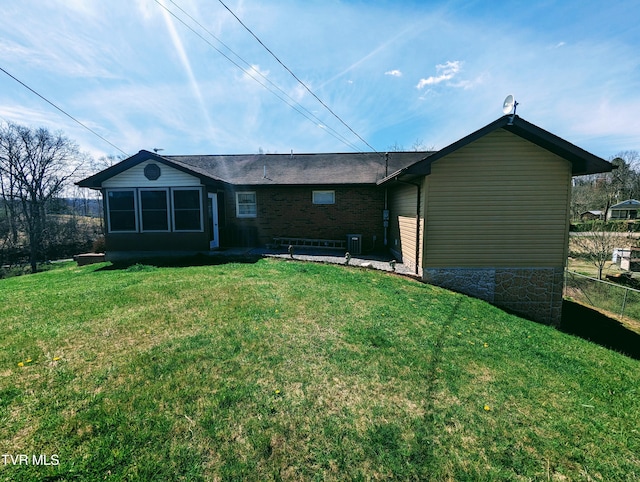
[187, 77]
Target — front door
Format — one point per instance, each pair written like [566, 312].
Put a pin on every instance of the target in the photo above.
[212, 204]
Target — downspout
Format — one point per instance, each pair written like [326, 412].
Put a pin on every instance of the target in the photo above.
[385, 214]
[417, 185]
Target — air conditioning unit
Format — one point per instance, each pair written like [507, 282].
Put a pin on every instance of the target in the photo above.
[354, 243]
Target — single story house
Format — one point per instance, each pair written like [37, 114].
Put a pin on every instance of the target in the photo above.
[168, 204]
[591, 215]
[487, 216]
[625, 210]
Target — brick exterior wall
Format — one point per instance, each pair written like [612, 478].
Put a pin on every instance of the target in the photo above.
[289, 211]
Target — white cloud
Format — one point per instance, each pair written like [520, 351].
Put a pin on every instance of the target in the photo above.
[255, 73]
[21, 114]
[444, 72]
[470, 84]
[156, 86]
[186, 63]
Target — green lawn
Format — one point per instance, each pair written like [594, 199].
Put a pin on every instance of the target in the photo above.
[280, 370]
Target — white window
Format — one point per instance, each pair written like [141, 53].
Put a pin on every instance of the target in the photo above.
[324, 197]
[246, 205]
[121, 211]
[187, 212]
[154, 210]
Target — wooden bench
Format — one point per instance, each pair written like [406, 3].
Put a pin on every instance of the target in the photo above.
[310, 243]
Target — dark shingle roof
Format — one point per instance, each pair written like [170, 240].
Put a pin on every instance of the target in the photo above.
[274, 169]
[347, 168]
[300, 169]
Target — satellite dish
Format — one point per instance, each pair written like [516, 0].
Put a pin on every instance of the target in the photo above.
[509, 105]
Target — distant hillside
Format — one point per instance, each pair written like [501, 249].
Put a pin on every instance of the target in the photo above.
[83, 207]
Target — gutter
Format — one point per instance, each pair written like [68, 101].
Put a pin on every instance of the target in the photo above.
[385, 213]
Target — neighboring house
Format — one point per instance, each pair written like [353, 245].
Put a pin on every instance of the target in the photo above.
[625, 210]
[487, 215]
[591, 215]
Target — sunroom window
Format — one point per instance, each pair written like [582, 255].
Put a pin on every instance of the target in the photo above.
[186, 210]
[154, 210]
[121, 206]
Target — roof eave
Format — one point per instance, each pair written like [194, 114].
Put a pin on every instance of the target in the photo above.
[582, 162]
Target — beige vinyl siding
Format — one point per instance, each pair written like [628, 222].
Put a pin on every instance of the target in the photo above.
[500, 201]
[402, 236]
[169, 176]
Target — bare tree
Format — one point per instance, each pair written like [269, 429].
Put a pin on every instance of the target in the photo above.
[35, 165]
[417, 146]
[597, 246]
[601, 191]
[86, 198]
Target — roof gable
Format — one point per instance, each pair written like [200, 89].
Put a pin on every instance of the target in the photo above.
[629, 203]
[150, 173]
[96, 180]
[582, 162]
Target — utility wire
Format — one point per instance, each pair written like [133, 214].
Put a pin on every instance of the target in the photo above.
[298, 79]
[65, 113]
[291, 102]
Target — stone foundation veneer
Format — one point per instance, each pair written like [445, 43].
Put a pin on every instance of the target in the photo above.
[534, 293]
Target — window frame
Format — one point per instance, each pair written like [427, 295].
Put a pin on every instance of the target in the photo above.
[173, 210]
[323, 192]
[255, 204]
[168, 205]
[135, 210]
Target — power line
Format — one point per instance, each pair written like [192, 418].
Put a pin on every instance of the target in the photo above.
[64, 112]
[291, 102]
[298, 79]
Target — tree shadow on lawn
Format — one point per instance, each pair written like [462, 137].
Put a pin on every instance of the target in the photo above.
[594, 326]
[181, 261]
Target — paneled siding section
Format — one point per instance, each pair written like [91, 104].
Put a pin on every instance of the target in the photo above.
[135, 177]
[499, 202]
[403, 231]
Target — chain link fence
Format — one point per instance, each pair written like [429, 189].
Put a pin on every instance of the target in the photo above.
[619, 301]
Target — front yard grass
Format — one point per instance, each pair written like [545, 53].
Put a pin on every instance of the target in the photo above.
[280, 370]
